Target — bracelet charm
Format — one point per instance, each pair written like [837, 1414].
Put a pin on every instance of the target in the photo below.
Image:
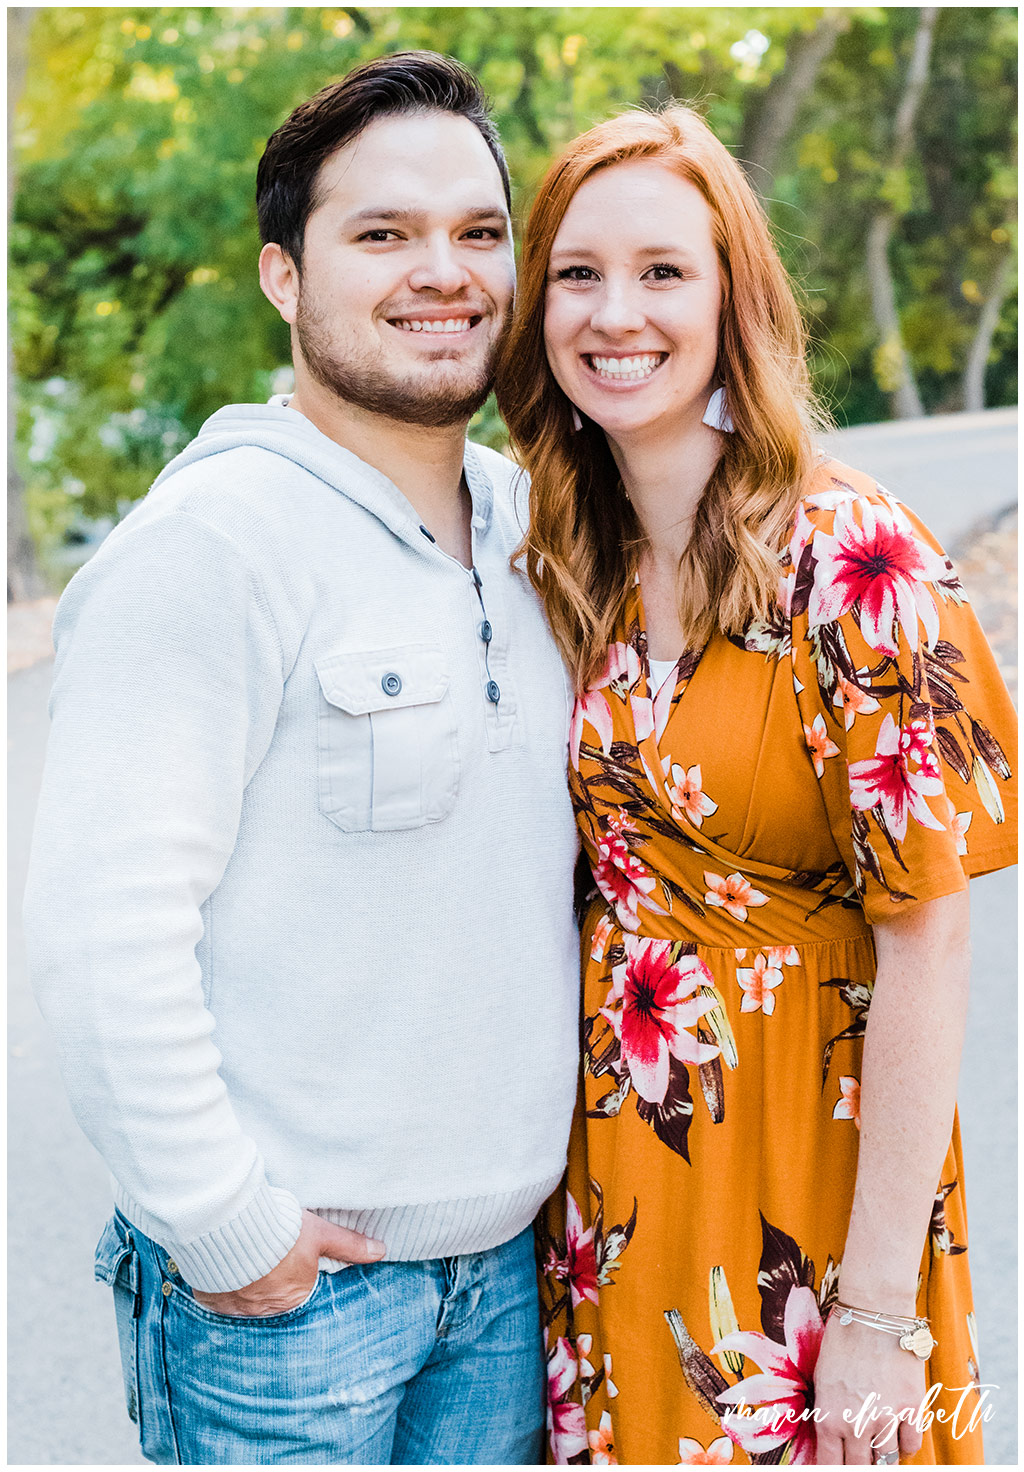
[914, 1334]
[920, 1342]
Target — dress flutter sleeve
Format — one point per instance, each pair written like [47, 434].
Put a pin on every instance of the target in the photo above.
[905, 716]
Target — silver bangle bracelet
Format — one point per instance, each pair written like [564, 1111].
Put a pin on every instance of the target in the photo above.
[914, 1334]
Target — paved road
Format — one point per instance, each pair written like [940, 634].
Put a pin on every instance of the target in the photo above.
[65, 1405]
[952, 469]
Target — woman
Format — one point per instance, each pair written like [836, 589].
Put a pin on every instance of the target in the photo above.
[786, 755]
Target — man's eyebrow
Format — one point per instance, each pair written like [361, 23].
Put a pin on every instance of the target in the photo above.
[386, 215]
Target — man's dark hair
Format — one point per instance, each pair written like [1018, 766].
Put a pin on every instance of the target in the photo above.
[408, 82]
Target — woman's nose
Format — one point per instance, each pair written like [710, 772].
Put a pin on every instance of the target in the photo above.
[616, 312]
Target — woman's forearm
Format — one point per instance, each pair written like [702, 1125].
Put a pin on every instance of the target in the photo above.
[909, 1075]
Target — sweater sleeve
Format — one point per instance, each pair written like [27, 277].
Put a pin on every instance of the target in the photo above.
[168, 683]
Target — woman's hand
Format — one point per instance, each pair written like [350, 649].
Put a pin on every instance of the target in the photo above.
[863, 1382]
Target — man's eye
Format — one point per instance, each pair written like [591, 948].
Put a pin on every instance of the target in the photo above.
[379, 237]
[575, 273]
[484, 232]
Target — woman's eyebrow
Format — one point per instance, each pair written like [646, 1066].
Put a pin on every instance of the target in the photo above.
[405, 216]
[679, 252]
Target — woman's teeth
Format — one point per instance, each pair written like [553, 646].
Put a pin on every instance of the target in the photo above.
[639, 367]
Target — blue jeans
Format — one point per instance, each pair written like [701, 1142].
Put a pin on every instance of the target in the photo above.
[414, 1363]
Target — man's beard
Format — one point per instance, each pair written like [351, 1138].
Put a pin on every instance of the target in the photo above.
[434, 399]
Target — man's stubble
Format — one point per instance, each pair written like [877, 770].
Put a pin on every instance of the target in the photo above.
[434, 399]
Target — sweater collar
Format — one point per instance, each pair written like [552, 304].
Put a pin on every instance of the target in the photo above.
[283, 431]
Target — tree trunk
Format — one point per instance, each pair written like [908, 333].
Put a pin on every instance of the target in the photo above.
[974, 374]
[23, 579]
[893, 367]
[771, 117]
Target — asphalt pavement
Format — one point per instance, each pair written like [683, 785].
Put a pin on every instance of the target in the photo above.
[65, 1402]
[952, 469]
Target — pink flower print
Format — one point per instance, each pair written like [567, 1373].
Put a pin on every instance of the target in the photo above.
[829, 500]
[803, 531]
[642, 708]
[584, 1344]
[758, 982]
[579, 1266]
[881, 565]
[602, 1447]
[854, 701]
[567, 1426]
[779, 955]
[623, 667]
[686, 794]
[884, 781]
[787, 1384]
[623, 880]
[693, 1454]
[611, 1389]
[590, 709]
[602, 935]
[916, 745]
[958, 825]
[733, 895]
[819, 745]
[658, 1002]
[848, 1106]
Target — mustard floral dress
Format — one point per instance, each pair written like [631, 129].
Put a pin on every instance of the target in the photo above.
[746, 824]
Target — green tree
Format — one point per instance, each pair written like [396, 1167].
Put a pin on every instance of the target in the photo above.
[134, 299]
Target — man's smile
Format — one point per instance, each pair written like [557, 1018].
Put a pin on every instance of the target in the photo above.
[452, 325]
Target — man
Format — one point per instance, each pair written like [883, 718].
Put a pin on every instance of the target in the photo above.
[300, 903]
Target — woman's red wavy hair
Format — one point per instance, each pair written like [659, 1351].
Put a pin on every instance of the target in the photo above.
[581, 548]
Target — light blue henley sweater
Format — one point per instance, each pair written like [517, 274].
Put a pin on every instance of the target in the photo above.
[299, 909]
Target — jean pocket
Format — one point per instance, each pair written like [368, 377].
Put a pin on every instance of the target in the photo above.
[181, 1298]
[117, 1264]
[388, 750]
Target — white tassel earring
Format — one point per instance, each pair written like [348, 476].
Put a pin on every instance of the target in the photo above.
[577, 422]
[717, 415]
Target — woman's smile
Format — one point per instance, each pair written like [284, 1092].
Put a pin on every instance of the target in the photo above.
[615, 371]
[633, 300]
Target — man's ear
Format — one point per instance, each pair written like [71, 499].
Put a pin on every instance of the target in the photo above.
[279, 280]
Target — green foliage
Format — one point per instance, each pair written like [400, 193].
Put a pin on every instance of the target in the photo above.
[134, 300]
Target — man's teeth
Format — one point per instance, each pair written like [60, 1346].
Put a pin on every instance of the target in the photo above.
[641, 367]
[423, 324]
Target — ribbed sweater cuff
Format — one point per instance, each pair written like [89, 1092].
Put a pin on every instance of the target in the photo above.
[446, 1228]
[237, 1252]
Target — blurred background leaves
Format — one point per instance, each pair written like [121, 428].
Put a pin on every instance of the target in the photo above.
[882, 141]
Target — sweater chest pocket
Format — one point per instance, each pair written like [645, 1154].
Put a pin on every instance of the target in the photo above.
[388, 753]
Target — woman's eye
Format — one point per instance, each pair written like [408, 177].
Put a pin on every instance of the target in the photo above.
[664, 272]
[575, 273]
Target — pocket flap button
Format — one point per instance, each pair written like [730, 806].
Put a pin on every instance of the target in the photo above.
[167, 1290]
[172, 1267]
[391, 684]
[486, 631]
[492, 691]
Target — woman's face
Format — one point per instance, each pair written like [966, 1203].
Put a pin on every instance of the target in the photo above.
[633, 299]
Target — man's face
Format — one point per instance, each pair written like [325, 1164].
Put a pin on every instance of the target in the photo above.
[407, 270]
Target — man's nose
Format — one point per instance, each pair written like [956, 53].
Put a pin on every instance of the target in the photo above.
[439, 269]
[617, 311]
